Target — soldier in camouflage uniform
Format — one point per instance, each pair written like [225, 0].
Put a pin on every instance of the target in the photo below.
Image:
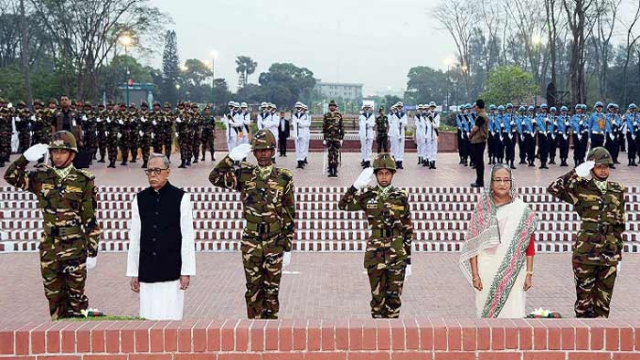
[5, 132]
[134, 132]
[269, 210]
[333, 132]
[208, 133]
[388, 255]
[183, 130]
[156, 117]
[41, 125]
[124, 134]
[68, 199]
[145, 130]
[382, 131]
[114, 120]
[598, 248]
[196, 131]
[167, 129]
[23, 126]
[90, 130]
[101, 131]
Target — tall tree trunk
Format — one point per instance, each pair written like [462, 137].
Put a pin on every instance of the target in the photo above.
[25, 55]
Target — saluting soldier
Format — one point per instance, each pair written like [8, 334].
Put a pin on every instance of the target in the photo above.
[68, 199]
[388, 255]
[269, 210]
[333, 133]
[597, 252]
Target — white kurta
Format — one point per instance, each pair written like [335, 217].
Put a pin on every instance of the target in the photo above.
[163, 300]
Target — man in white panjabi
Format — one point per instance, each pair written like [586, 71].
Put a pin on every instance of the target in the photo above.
[161, 257]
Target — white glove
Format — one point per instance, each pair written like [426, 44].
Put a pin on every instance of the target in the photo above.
[286, 260]
[178, 120]
[16, 118]
[84, 117]
[140, 133]
[36, 152]
[584, 169]
[611, 137]
[99, 120]
[565, 136]
[510, 137]
[120, 122]
[324, 142]
[33, 118]
[91, 262]
[154, 122]
[364, 178]
[407, 271]
[119, 135]
[109, 120]
[341, 141]
[618, 268]
[143, 119]
[579, 137]
[240, 152]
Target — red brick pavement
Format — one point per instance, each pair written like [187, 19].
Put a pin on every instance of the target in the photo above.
[449, 172]
[316, 286]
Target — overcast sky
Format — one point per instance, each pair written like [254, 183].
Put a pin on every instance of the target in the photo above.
[372, 42]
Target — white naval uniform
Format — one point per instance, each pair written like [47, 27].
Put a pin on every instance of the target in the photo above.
[273, 125]
[420, 135]
[301, 123]
[433, 123]
[366, 133]
[397, 125]
[163, 300]
[231, 134]
[246, 124]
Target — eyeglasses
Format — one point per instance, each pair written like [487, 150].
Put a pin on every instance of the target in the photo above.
[506, 181]
[155, 171]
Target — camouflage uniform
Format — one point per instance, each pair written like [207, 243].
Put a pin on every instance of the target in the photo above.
[113, 130]
[5, 132]
[185, 140]
[101, 131]
[42, 124]
[389, 246]
[157, 121]
[598, 247]
[23, 126]
[71, 232]
[167, 130]
[134, 135]
[382, 132]
[124, 133]
[269, 210]
[90, 130]
[333, 131]
[196, 131]
[145, 130]
[208, 135]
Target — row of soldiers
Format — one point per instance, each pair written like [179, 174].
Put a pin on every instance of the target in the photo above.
[545, 132]
[105, 130]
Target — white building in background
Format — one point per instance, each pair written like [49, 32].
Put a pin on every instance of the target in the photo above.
[346, 91]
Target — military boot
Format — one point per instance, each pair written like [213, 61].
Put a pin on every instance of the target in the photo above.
[213, 158]
[112, 164]
[512, 166]
[188, 163]
[299, 165]
[195, 159]
[101, 159]
[400, 165]
[123, 163]
[182, 165]
[144, 164]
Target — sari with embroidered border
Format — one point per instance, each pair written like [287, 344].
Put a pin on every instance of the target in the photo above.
[506, 235]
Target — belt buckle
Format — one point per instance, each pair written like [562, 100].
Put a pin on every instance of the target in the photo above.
[263, 228]
[54, 231]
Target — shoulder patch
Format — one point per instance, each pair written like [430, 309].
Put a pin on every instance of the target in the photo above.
[615, 186]
[285, 172]
[86, 173]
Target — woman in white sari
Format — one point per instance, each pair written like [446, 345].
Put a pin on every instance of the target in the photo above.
[498, 251]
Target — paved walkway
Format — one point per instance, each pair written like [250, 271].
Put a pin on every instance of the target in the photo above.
[449, 172]
[328, 286]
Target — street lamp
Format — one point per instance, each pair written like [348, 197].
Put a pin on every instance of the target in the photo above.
[178, 89]
[214, 55]
[126, 40]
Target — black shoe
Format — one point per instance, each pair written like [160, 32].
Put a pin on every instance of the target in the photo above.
[400, 165]
[182, 165]
[563, 163]
[299, 165]
[101, 160]
[616, 162]
[476, 185]
[419, 160]
[513, 167]
[123, 163]
[133, 161]
[144, 165]
[367, 164]
[188, 163]
[1, 163]
[543, 167]
[202, 159]
[112, 164]
[612, 166]
[305, 161]
[433, 165]
[634, 164]
[552, 162]
[195, 160]
[522, 162]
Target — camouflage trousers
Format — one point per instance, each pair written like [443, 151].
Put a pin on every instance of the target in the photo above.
[5, 145]
[333, 147]
[207, 141]
[185, 141]
[594, 288]
[195, 147]
[162, 138]
[24, 139]
[134, 145]
[112, 147]
[386, 282]
[145, 147]
[64, 282]
[262, 261]
[125, 145]
[102, 145]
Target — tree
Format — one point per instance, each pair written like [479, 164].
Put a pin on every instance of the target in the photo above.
[426, 84]
[298, 81]
[509, 84]
[170, 68]
[115, 74]
[196, 72]
[580, 25]
[245, 67]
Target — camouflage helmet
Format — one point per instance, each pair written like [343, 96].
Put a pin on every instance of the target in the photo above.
[263, 139]
[63, 140]
[600, 155]
[53, 101]
[38, 102]
[384, 161]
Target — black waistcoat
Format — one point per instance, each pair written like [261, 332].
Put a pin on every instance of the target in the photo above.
[160, 234]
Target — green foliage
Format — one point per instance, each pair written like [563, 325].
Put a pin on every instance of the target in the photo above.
[509, 84]
[298, 82]
[170, 68]
[426, 84]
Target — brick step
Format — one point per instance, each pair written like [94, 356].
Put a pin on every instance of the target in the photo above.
[198, 197]
[320, 235]
[311, 206]
[125, 215]
[311, 246]
[336, 225]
